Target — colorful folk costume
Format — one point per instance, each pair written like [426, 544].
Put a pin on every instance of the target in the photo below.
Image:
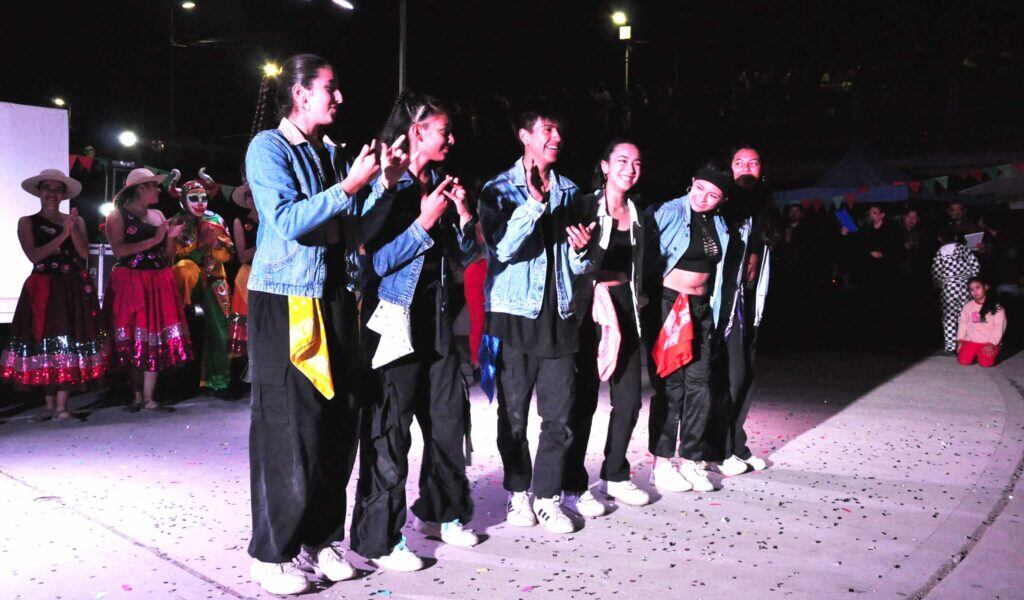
[143, 305]
[58, 336]
[954, 264]
[202, 249]
[238, 338]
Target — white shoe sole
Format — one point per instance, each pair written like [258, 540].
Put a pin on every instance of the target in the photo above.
[625, 499]
[282, 590]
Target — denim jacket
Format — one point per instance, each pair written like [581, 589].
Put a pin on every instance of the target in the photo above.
[398, 259]
[670, 237]
[516, 257]
[295, 205]
[599, 245]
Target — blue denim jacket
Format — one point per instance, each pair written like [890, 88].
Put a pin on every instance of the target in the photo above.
[671, 233]
[289, 188]
[399, 261]
[516, 257]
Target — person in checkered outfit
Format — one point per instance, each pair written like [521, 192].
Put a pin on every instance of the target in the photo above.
[953, 266]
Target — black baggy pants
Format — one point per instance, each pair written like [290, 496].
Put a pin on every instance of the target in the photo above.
[429, 386]
[681, 406]
[519, 373]
[624, 385]
[302, 446]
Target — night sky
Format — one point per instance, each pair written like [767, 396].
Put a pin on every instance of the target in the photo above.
[115, 63]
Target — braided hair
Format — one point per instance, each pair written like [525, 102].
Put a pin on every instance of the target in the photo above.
[409, 108]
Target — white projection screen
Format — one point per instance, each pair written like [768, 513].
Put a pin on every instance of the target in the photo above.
[32, 138]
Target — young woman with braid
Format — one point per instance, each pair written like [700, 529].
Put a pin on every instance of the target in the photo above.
[412, 237]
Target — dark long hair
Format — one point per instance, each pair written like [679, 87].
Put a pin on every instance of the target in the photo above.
[299, 69]
[991, 304]
[597, 180]
[410, 108]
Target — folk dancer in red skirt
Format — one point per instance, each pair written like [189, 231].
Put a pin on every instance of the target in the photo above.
[57, 337]
[144, 306]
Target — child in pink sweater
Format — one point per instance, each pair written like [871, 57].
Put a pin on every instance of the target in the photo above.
[982, 324]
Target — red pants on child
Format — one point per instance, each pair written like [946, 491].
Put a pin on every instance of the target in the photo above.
[985, 353]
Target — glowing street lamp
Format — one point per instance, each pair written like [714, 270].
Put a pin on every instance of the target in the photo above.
[59, 102]
[345, 4]
[128, 138]
[619, 18]
[188, 5]
[271, 70]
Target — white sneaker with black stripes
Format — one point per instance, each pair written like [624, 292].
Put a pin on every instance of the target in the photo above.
[550, 514]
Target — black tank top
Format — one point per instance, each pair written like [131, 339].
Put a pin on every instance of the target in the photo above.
[705, 250]
[137, 230]
[65, 259]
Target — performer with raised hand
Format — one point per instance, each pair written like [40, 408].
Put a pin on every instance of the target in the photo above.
[536, 247]
[303, 355]
[413, 237]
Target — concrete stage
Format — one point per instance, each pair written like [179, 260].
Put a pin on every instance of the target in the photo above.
[892, 476]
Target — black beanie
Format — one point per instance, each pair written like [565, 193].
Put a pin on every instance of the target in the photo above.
[720, 179]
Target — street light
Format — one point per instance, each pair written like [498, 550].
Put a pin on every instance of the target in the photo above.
[59, 102]
[345, 4]
[128, 138]
[271, 69]
[188, 5]
[620, 19]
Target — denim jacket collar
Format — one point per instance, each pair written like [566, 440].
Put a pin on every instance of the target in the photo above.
[294, 136]
[517, 176]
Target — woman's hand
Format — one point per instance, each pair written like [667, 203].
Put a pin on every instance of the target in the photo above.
[580, 236]
[433, 205]
[394, 162]
[364, 169]
[457, 194]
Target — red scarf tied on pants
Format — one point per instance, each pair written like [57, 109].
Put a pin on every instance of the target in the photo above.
[674, 347]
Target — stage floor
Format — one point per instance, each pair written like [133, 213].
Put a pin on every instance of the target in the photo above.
[891, 475]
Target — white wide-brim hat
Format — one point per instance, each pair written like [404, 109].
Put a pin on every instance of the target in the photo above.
[31, 185]
[142, 175]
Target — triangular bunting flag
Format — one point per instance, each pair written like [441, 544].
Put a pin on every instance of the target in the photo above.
[851, 199]
[975, 174]
[943, 181]
[991, 172]
[928, 185]
[915, 187]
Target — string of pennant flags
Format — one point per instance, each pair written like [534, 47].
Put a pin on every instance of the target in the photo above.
[894, 192]
[89, 162]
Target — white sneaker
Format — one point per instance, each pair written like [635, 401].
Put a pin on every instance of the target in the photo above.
[331, 563]
[756, 462]
[733, 466]
[452, 533]
[519, 512]
[627, 493]
[400, 559]
[550, 514]
[282, 579]
[586, 504]
[696, 476]
[665, 477]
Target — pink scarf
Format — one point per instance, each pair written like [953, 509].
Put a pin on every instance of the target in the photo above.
[604, 316]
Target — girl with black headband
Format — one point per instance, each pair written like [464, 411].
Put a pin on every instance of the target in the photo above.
[689, 238]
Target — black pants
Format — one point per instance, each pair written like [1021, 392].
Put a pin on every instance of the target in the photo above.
[734, 368]
[681, 405]
[518, 373]
[302, 446]
[427, 384]
[625, 394]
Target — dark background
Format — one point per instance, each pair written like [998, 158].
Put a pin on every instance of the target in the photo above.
[190, 78]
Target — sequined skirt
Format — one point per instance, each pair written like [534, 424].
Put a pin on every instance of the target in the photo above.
[147, 319]
[58, 335]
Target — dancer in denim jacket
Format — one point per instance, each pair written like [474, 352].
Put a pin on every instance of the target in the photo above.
[411, 238]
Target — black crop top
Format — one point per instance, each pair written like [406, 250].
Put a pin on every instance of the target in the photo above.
[705, 250]
[618, 258]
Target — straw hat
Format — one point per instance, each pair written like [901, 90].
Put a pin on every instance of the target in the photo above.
[31, 185]
[142, 175]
